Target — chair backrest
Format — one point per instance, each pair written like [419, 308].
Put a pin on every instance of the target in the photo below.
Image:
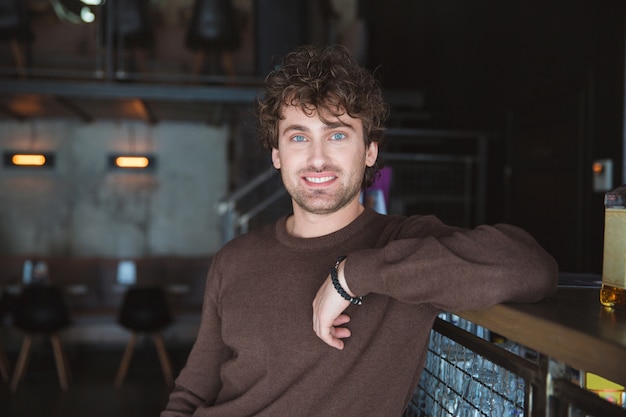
[41, 309]
[7, 304]
[213, 24]
[131, 24]
[14, 20]
[145, 309]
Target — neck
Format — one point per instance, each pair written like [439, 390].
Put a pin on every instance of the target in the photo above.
[306, 225]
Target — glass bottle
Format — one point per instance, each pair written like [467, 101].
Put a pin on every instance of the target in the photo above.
[613, 291]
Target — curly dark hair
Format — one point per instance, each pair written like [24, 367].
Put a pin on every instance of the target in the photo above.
[329, 81]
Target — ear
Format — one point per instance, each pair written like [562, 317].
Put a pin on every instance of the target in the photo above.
[275, 158]
[371, 153]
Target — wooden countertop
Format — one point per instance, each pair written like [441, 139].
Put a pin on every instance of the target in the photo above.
[570, 326]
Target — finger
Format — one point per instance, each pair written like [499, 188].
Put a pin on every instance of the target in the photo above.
[342, 319]
[333, 341]
[333, 336]
[327, 335]
[341, 332]
[320, 328]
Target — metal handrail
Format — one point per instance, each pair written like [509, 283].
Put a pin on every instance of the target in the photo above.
[232, 221]
[238, 194]
[244, 219]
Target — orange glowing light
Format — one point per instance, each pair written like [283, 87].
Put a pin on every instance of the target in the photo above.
[132, 161]
[597, 168]
[36, 160]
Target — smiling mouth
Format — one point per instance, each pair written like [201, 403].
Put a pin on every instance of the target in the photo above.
[319, 180]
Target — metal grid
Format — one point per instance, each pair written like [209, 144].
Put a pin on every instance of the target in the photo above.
[456, 381]
[440, 185]
[438, 172]
[466, 374]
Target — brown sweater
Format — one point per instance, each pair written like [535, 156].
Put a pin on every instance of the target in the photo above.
[256, 353]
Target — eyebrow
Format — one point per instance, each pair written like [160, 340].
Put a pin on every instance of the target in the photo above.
[297, 128]
[327, 126]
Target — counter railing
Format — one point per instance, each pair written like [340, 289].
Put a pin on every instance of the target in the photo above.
[524, 360]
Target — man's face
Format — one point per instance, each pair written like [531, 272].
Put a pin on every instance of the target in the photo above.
[322, 165]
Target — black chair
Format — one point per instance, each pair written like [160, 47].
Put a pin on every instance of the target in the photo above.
[213, 33]
[145, 310]
[131, 32]
[6, 308]
[41, 311]
[16, 29]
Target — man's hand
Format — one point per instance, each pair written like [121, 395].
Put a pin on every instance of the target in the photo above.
[328, 308]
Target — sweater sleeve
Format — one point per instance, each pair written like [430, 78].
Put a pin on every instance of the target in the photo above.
[199, 381]
[454, 269]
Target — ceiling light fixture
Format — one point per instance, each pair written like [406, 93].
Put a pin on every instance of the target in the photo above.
[28, 159]
[132, 161]
[87, 15]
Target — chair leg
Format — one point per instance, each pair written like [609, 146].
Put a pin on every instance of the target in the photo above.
[228, 63]
[128, 354]
[164, 358]
[22, 361]
[18, 57]
[60, 360]
[139, 56]
[198, 62]
[4, 365]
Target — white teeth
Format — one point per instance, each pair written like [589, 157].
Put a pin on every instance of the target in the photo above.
[318, 180]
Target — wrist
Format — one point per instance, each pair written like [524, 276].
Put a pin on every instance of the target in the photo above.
[338, 279]
[341, 277]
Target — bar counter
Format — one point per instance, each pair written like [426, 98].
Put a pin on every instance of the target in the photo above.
[539, 368]
[570, 326]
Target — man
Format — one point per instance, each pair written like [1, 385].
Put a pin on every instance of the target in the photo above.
[255, 354]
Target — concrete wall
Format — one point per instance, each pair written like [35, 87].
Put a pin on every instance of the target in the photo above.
[81, 207]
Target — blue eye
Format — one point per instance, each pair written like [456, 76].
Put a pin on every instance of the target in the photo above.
[298, 138]
[338, 136]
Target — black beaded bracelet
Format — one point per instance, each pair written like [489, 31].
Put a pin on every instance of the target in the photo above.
[334, 277]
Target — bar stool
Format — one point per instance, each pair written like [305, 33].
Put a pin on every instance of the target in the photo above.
[41, 311]
[15, 28]
[6, 307]
[213, 33]
[145, 310]
[132, 33]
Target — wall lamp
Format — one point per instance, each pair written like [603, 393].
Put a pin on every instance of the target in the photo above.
[28, 160]
[139, 162]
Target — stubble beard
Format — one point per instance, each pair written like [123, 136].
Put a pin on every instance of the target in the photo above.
[323, 201]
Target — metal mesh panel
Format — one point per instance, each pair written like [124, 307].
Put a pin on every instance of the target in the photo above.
[499, 381]
[445, 188]
[457, 381]
[438, 172]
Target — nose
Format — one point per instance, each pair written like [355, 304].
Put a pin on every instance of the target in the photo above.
[318, 154]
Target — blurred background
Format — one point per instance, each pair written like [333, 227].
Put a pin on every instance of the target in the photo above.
[501, 111]
[541, 81]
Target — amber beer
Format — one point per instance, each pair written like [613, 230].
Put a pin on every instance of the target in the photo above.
[613, 291]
